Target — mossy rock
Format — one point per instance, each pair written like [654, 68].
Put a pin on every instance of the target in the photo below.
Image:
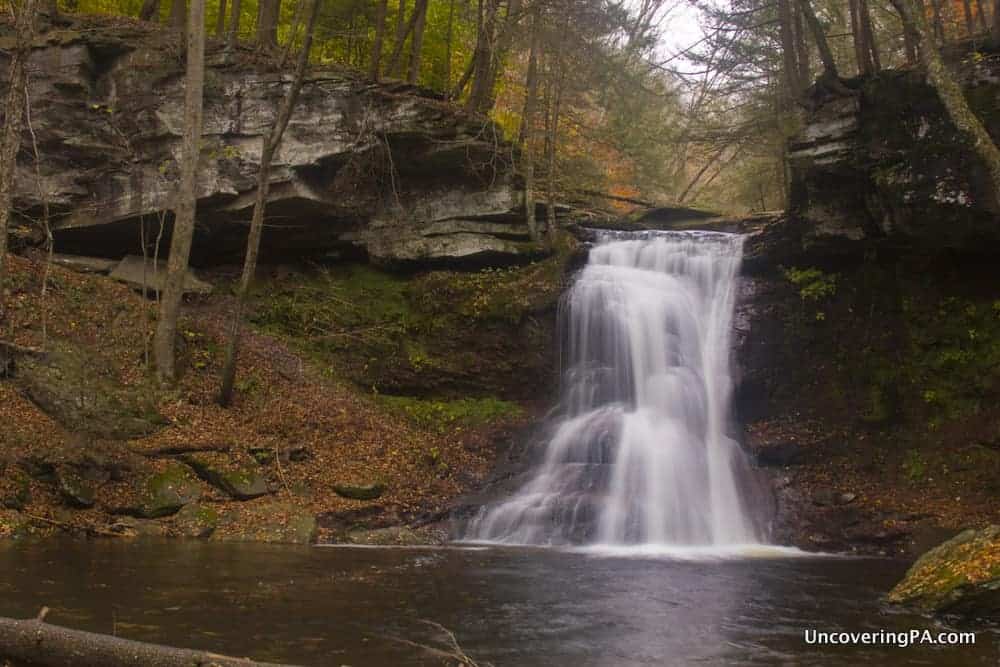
[195, 520]
[360, 491]
[280, 523]
[168, 492]
[239, 482]
[391, 536]
[75, 388]
[960, 576]
[15, 525]
[75, 490]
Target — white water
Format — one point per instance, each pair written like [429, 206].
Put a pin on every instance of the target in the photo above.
[641, 455]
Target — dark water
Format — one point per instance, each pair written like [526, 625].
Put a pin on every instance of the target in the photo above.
[523, 607]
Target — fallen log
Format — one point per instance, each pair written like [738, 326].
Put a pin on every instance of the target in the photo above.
[35, 643]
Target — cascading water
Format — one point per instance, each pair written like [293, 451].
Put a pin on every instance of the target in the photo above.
[641, 453]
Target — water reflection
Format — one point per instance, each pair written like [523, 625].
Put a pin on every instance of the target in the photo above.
[523, 607]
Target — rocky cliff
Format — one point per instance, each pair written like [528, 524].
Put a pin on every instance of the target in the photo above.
[886, 164]
[387, 170]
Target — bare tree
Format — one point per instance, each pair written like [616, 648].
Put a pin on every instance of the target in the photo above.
[268, 14]
[527, 133]
[150, 10]
[24, 17]
[417, 42]
[375, 64]
[178, 14]
[187, 193]
[234, 24]
[220, 20]
[271, 144]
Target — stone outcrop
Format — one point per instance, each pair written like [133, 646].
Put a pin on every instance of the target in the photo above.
[386, 170]
[887, 164]
[960, 576]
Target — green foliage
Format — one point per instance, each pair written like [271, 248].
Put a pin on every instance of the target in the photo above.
[444, 416]
[813, 284]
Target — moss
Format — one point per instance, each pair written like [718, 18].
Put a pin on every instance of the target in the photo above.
[442, 416]
[440, 333]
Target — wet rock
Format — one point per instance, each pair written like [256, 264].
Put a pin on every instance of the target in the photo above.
[195, 520]
[15, 525]
[239, 482]
[391, 536]
[360, 491]
[74, 489]
[269, 522]
[960, 576]
[131, 526]
[167, 492]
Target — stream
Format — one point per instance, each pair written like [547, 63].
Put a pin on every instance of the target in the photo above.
[518, 606]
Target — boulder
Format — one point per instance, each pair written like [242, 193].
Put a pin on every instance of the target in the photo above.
[888, 164]
[195, 520]
[389, 170]
[136, 272]
[268, 522]
[75, 490]
[167, 492]
[960, 576]
[84, 264]
[73, 387]
[240, 482]
[390, 536]
[369, 491]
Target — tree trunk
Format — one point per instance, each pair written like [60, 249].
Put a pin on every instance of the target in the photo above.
[375, 65]
[948, 89]
[398, 39]
[981, 15]
[527, 133]
[271, 144]
[482, 59]
[150, 10]
[938, 21]
[869, 30]
[417, 42]
[557, 75]
[802, 48]
[970, 26]
[34, 642]
[862, 52]
[396, 59]
[788, 54]
[178, 14]
[187, 193]
[502, 44]
[220, 20]
[17, 76]
[268, 13]
[449, 37]
[825, 54]
[995, 29]
[234, 24]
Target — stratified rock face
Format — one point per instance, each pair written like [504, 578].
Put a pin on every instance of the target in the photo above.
[960, 576]
[888, 164]
[385, 169]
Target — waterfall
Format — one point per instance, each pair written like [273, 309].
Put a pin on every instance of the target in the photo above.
[640, 453]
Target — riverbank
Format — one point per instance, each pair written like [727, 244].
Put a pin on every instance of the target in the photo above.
[323, 442]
